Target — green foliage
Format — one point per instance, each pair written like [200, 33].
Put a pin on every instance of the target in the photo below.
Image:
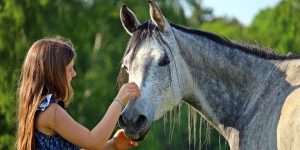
[231, 29]
[7, 142]
[96, 31]
[278, 27]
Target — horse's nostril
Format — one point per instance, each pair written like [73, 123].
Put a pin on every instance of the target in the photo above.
[122, 121]
[140, 121]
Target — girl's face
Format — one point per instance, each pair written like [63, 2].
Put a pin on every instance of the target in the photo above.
[70, 71]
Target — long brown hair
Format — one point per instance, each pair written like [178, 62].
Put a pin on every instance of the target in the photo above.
[43, 72]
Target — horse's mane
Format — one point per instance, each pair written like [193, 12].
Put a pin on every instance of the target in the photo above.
[245, 47]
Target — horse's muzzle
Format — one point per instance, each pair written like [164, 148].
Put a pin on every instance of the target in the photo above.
[135, 127]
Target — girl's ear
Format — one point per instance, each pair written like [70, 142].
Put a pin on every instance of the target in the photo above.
[129, 20]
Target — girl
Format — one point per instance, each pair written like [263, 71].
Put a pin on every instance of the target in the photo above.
[44, 93]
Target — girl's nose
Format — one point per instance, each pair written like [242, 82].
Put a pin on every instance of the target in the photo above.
[74, 73]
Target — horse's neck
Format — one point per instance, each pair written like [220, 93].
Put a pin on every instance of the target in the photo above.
[225, 81]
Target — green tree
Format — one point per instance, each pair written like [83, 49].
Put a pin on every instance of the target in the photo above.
[278, 27]
[229, 28]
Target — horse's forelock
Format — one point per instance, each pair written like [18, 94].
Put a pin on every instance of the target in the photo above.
[138, 37]
[122, 77]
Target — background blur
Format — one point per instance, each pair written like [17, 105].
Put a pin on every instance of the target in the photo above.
[95, 29]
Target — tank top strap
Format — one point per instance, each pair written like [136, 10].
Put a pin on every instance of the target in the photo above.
[47, 100]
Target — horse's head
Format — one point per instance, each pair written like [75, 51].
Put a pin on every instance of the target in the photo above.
[150, 60]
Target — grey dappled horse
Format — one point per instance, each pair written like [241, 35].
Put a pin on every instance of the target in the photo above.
[252, 97]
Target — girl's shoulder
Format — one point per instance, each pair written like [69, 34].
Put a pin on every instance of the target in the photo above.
[46, 113]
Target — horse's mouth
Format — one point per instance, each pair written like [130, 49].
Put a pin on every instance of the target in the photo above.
[137, 136]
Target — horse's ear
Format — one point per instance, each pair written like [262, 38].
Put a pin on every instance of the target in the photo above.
[128, 19]
[156, 16]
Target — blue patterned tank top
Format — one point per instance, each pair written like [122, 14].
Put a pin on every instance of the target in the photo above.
[51, 142]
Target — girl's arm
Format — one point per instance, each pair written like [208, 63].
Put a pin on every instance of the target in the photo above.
[63, 124]
[77, 134]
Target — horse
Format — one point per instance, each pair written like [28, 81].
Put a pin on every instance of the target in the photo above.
[250, 95]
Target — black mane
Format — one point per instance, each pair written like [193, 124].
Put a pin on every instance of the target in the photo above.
[148, 28]
[247, 48]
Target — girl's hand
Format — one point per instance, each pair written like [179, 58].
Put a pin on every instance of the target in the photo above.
[128, 91]
[122, 142]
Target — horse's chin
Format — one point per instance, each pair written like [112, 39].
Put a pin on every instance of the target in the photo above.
[137, 135]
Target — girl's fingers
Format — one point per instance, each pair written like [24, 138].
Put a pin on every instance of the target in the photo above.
[134, 94]
[133, 91]
[132, 88]
[133, 85]
[128, 91]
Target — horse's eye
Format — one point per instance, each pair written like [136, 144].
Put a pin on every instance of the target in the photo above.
[164, 61]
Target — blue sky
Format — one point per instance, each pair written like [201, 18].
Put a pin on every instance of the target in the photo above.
[243, 10]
